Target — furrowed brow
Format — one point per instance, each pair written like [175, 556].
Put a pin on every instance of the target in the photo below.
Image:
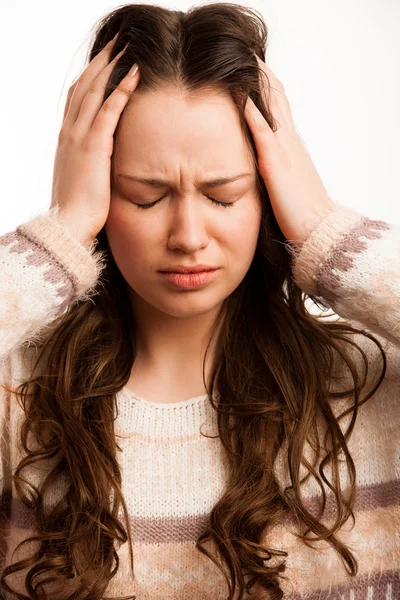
[163, 183]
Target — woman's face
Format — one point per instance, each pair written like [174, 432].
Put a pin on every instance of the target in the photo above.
[186, 142]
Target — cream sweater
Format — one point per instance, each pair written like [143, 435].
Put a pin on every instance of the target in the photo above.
[172, 475]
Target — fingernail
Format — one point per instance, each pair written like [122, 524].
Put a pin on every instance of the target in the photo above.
[132, 71]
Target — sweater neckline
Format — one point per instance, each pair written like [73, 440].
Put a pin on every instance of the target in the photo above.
[166, 405]
[146, 419]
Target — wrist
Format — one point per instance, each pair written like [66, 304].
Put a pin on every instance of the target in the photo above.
[74, 230]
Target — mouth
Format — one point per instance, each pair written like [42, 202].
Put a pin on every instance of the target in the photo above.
[189, 270]
[189, 280]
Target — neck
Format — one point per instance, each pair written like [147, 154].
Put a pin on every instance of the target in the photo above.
[171, 351]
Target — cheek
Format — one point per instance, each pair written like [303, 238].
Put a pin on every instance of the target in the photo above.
[128, 237]
[242, 233]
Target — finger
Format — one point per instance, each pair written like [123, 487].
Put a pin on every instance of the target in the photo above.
[72, 88]
[107, 118]
[274, 95]
[93, 100]
[269, 154]
[264, 137]
[259, 126]
[68, 100]
[270, 75]
[81, 86]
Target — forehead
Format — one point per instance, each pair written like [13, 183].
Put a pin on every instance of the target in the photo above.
[160, 127]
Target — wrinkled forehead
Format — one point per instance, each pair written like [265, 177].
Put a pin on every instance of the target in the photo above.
[160, 128]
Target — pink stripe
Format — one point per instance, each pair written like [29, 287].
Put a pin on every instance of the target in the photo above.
[377, 586]
[183, 529]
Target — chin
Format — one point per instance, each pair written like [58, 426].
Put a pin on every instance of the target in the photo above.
[181, 304]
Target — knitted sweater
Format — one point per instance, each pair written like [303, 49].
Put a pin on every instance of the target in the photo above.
[172, 475]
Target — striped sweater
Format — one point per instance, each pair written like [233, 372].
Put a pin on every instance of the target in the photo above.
[172, 475]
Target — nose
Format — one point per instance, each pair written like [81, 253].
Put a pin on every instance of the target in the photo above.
[187, 228]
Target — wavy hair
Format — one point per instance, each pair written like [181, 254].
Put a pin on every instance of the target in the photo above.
[274, 389]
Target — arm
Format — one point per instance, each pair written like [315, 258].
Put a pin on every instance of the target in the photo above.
[352, 264]
[43, 268]
[349, 261]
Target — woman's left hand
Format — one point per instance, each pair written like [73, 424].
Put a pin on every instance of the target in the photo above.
[298, 196]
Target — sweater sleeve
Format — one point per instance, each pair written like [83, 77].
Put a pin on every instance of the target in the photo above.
[43, 269]
[351, 264]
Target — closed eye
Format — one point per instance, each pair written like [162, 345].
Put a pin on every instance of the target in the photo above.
[150, 204]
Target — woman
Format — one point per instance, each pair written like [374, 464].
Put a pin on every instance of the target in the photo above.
[196, 435]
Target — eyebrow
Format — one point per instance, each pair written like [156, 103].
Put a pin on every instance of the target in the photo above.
[163, 183]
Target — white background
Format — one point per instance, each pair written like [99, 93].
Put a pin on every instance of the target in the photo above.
[337, 60]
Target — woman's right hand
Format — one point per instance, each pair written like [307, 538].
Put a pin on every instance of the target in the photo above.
[82, 166]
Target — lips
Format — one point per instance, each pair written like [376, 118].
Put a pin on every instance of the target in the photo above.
[184, 269]
[190, 281]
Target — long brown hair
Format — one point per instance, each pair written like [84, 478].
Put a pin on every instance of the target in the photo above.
[273, 389]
